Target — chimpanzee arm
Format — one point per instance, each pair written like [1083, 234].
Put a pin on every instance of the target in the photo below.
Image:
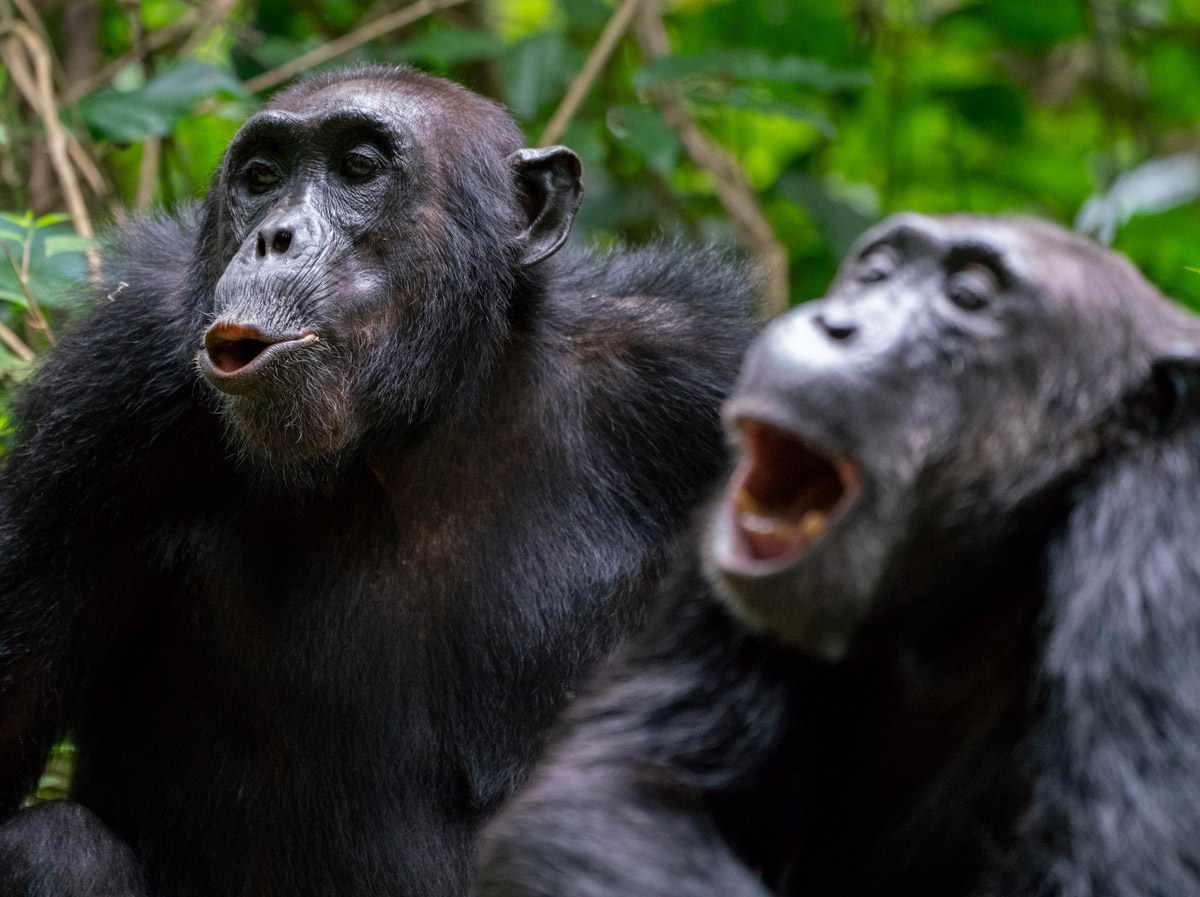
[91, 458]
[99, 449]
[632, 799]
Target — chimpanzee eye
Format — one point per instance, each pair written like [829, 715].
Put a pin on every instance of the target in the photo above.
[972, 287]
[878, 264]
[358, 166]
[260, 177]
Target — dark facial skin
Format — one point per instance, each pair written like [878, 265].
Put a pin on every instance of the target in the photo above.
[919, 395]
[306, 196]
[337, 219]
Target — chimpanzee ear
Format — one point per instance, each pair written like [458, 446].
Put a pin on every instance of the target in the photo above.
[1173, 389]
[550, 191]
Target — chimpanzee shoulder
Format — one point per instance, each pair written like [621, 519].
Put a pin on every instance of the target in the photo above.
[121, 373]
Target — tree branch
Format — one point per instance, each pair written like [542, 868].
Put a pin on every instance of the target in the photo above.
[347, 42]
[15, 343]
[592, 67]
[154, 40]
[40, 96]
[734, 193]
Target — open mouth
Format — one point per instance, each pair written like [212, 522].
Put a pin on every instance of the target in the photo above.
[234, 349]
[786, 493]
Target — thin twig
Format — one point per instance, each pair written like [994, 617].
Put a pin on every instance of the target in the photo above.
[215, 15]
[595, 63]
[88, 168]
[44, 105]
[148, 172]
[734, 193]
[33, 314]
[14, 342]
[27, 85]
[347, 42]
[32, 18]
[154, 40]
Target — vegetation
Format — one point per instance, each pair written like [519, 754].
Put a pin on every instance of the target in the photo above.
[784, 125]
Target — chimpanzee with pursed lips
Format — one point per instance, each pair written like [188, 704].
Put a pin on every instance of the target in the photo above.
[941, 635]
[316, 520]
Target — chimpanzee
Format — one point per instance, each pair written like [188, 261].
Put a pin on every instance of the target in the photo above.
[941, 635]
[318, 518]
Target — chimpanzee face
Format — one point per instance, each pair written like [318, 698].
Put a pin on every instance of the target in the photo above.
[370, 232]
[959, 370]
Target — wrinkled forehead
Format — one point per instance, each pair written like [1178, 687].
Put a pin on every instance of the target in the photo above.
[937, 236]
[402, 104]
[1035, 252]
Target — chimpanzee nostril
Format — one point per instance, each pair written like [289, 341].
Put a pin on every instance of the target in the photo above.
[283, 239]
[837, 330]
[261, 247]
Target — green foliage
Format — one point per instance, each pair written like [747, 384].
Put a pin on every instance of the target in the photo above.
[157, 108]
[838, 113]
[42, 263]
[56, 778]
[43, 260]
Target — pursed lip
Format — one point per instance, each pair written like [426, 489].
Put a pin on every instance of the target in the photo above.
[234, 355]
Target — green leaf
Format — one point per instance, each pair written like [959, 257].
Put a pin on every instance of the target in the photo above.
[732, 65]
[450, 46]
[52, 218]
[536, 69]
[183, 85]
[754, 101]
[996, 108]
[640, 128]
[154, 110]
[66, 243]
[1032, 24]
[16, 297]
[838, 221]
[10, 365]
[24, 222]
[123, 117]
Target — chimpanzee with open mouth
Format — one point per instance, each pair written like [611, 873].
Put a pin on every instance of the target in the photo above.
[941, 634]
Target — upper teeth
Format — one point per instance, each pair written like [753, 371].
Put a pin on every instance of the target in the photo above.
[808, 527]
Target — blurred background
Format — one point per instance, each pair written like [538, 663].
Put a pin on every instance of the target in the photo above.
[784, 126]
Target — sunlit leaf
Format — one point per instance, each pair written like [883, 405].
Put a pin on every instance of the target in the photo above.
[53, 218]
[66, 243]
[16, 297]
[23, 222]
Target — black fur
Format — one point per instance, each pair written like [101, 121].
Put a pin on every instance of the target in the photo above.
[983, 677]
[316, 672]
